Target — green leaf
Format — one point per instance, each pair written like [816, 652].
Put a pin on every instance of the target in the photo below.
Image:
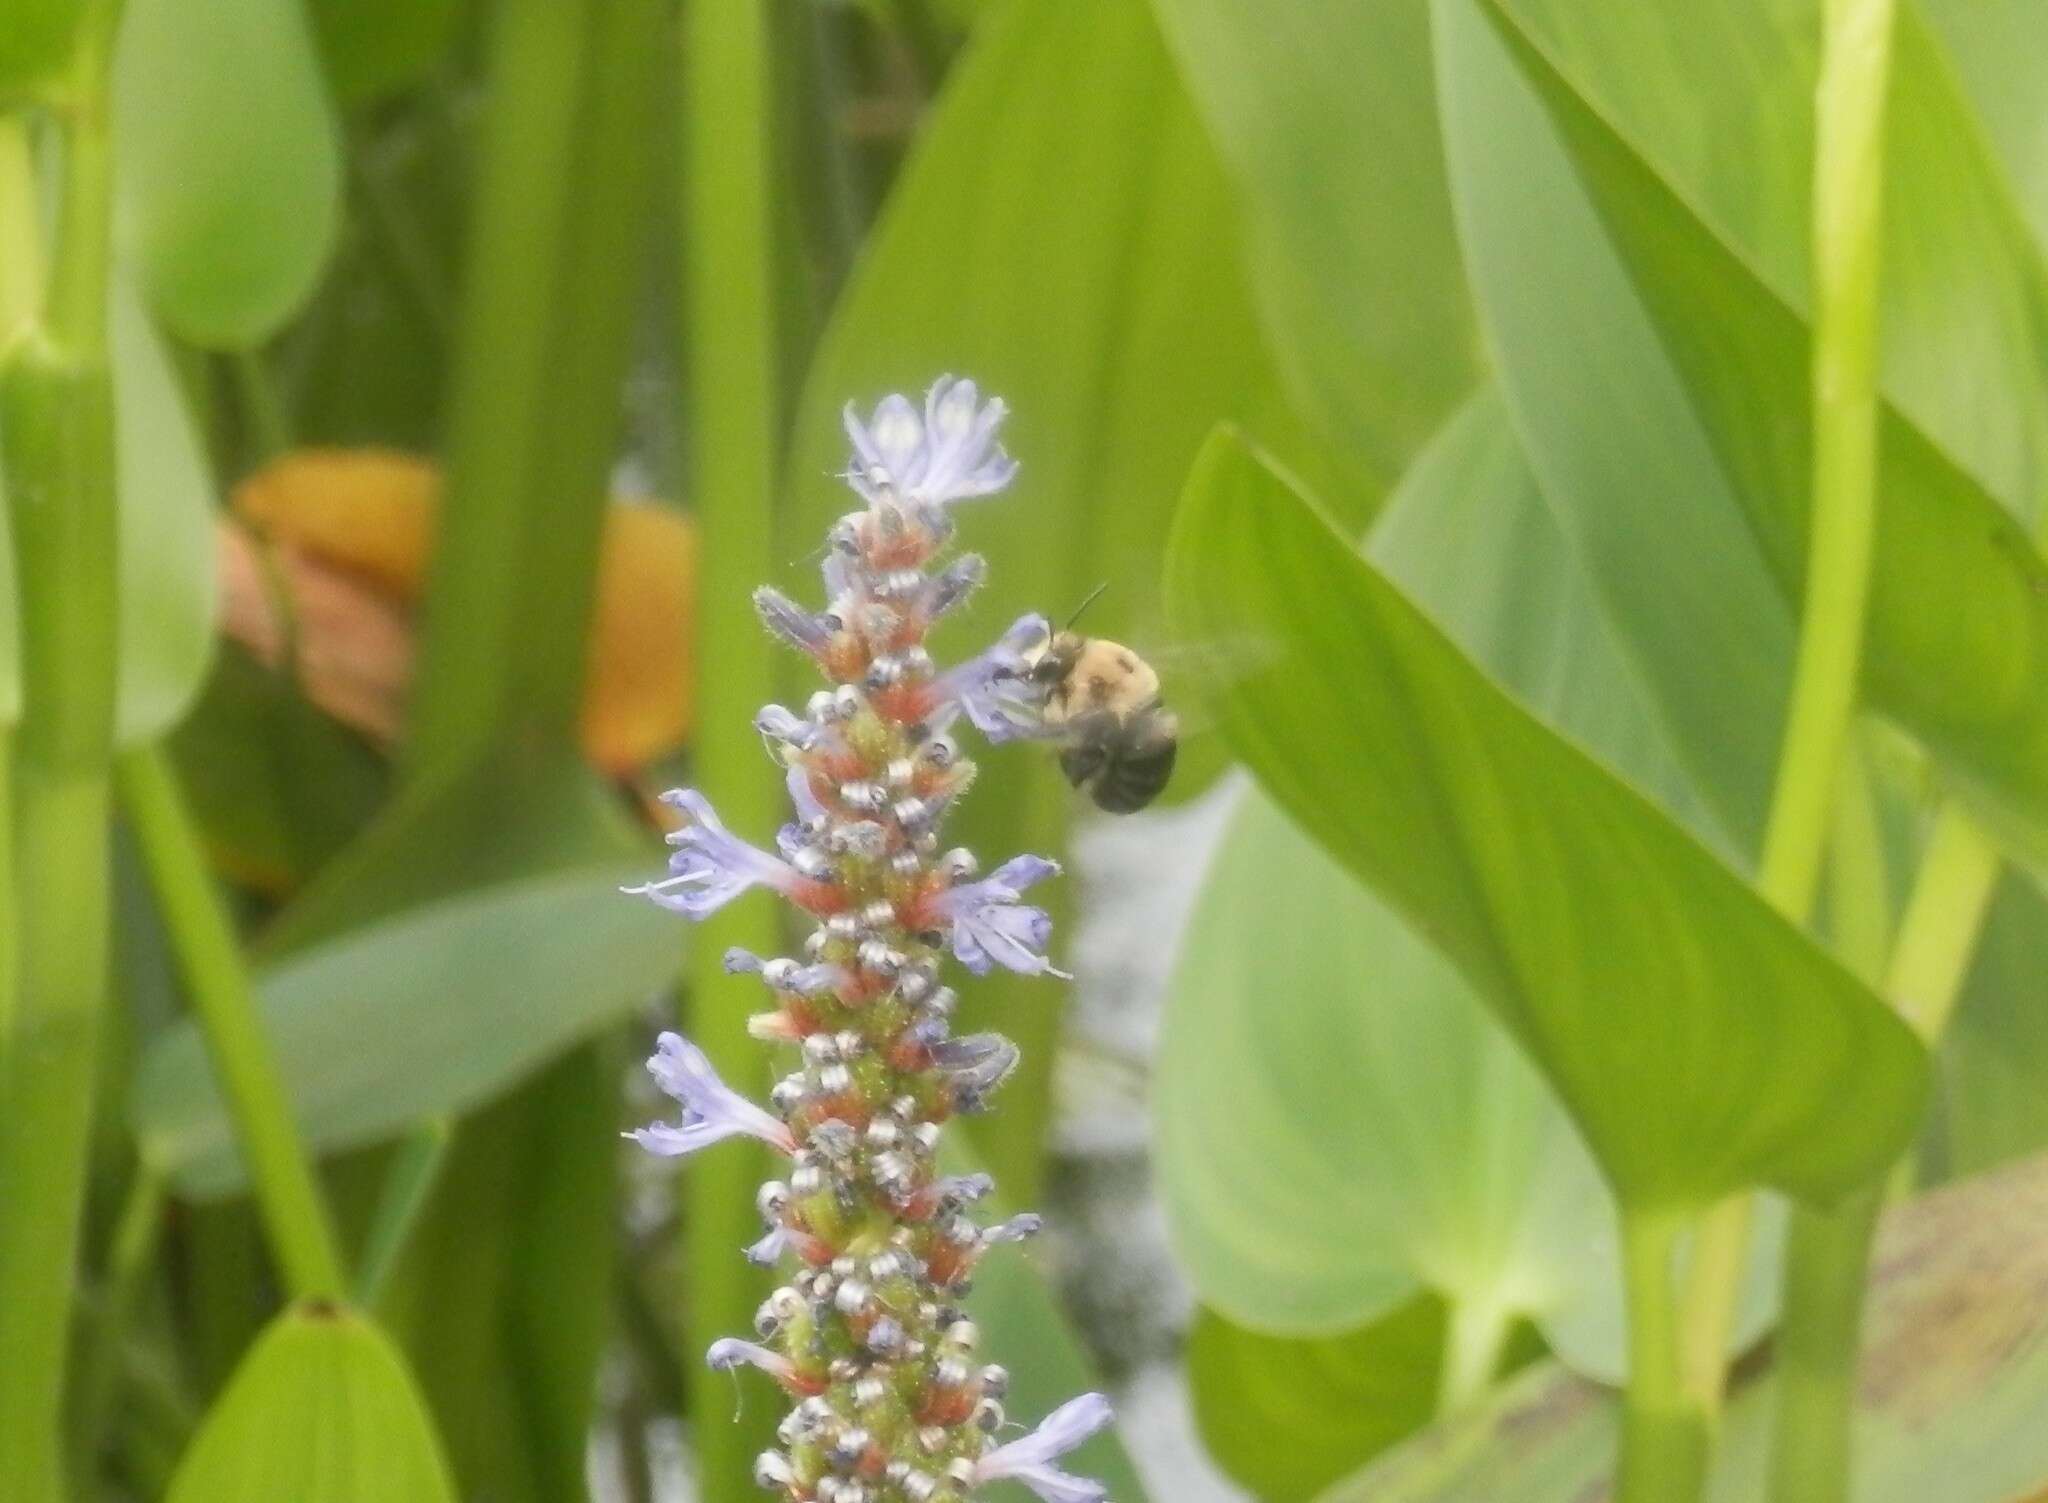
[1959, 611]
[37, 39]
[321, 1410]
[1700, 624]
[375, 48]
[165, 491]
[434, 1011]
[1324, 112]
[1393, 1127]
[1048, 236]
[1947, 1408]
[1285, 1417]
[230, 167]
[1700, 1043]
[1397, 1135]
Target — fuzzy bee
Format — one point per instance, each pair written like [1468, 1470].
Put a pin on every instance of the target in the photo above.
[1100, 700]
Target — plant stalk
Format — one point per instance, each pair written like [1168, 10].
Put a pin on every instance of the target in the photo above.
[209, 957]
[733, 425]
[1664, 1428]
[56, 433]
[1827, 1259]
[1848, 176]
[1474, 1339]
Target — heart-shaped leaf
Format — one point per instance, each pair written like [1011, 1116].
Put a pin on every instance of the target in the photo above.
[321, 1410]
[230, 168]
[1701, 1044]
[434, 1011]
[1430, 1155]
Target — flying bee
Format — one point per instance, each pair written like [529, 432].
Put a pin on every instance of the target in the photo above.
[1101, 702]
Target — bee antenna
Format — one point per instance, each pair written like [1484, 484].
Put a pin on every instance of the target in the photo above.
[1093, 595]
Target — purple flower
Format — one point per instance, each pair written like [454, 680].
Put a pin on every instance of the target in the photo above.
[1029, 1460]
[729, 1352]
[995, 688]
[711, 866]
[1019, 1228]
[712, 1110]
[763, 1254]
[990, 927]
[948, 453]
[807, 631]
[777, 724]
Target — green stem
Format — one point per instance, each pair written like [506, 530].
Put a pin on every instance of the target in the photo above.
[210, 960]
[1827, 1259]
[1848, 177]
[1477, 1335]
[1664, 1428]
[407, 1186]
[733, 423]
[56, 432]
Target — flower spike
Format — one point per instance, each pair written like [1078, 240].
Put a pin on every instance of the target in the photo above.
[878, 1246]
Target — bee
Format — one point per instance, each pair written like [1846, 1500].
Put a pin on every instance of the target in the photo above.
[1101, 702]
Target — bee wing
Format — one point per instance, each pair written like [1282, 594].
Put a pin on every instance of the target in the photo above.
[1190, 671]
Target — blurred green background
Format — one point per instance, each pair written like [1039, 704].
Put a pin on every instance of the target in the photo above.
[420, 388]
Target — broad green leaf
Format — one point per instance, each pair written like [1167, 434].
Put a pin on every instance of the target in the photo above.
[230, 168]
[321, 1410]
[1062, 234]
[437, 1010]
[374, 48]
[1949, 1409]
[1383, 1117]
[1322, 1161]
[1287, 1416]
[1959, 609]
[1324, 112]
[1700, 1043]
[37, 39]
[165, 491]
[1610, 436]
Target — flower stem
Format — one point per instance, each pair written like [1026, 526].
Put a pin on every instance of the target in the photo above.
[56, 416]
[733, 422]
[209, 956]
[1848, 176]
[1664, 1427]
[1827, 1259]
